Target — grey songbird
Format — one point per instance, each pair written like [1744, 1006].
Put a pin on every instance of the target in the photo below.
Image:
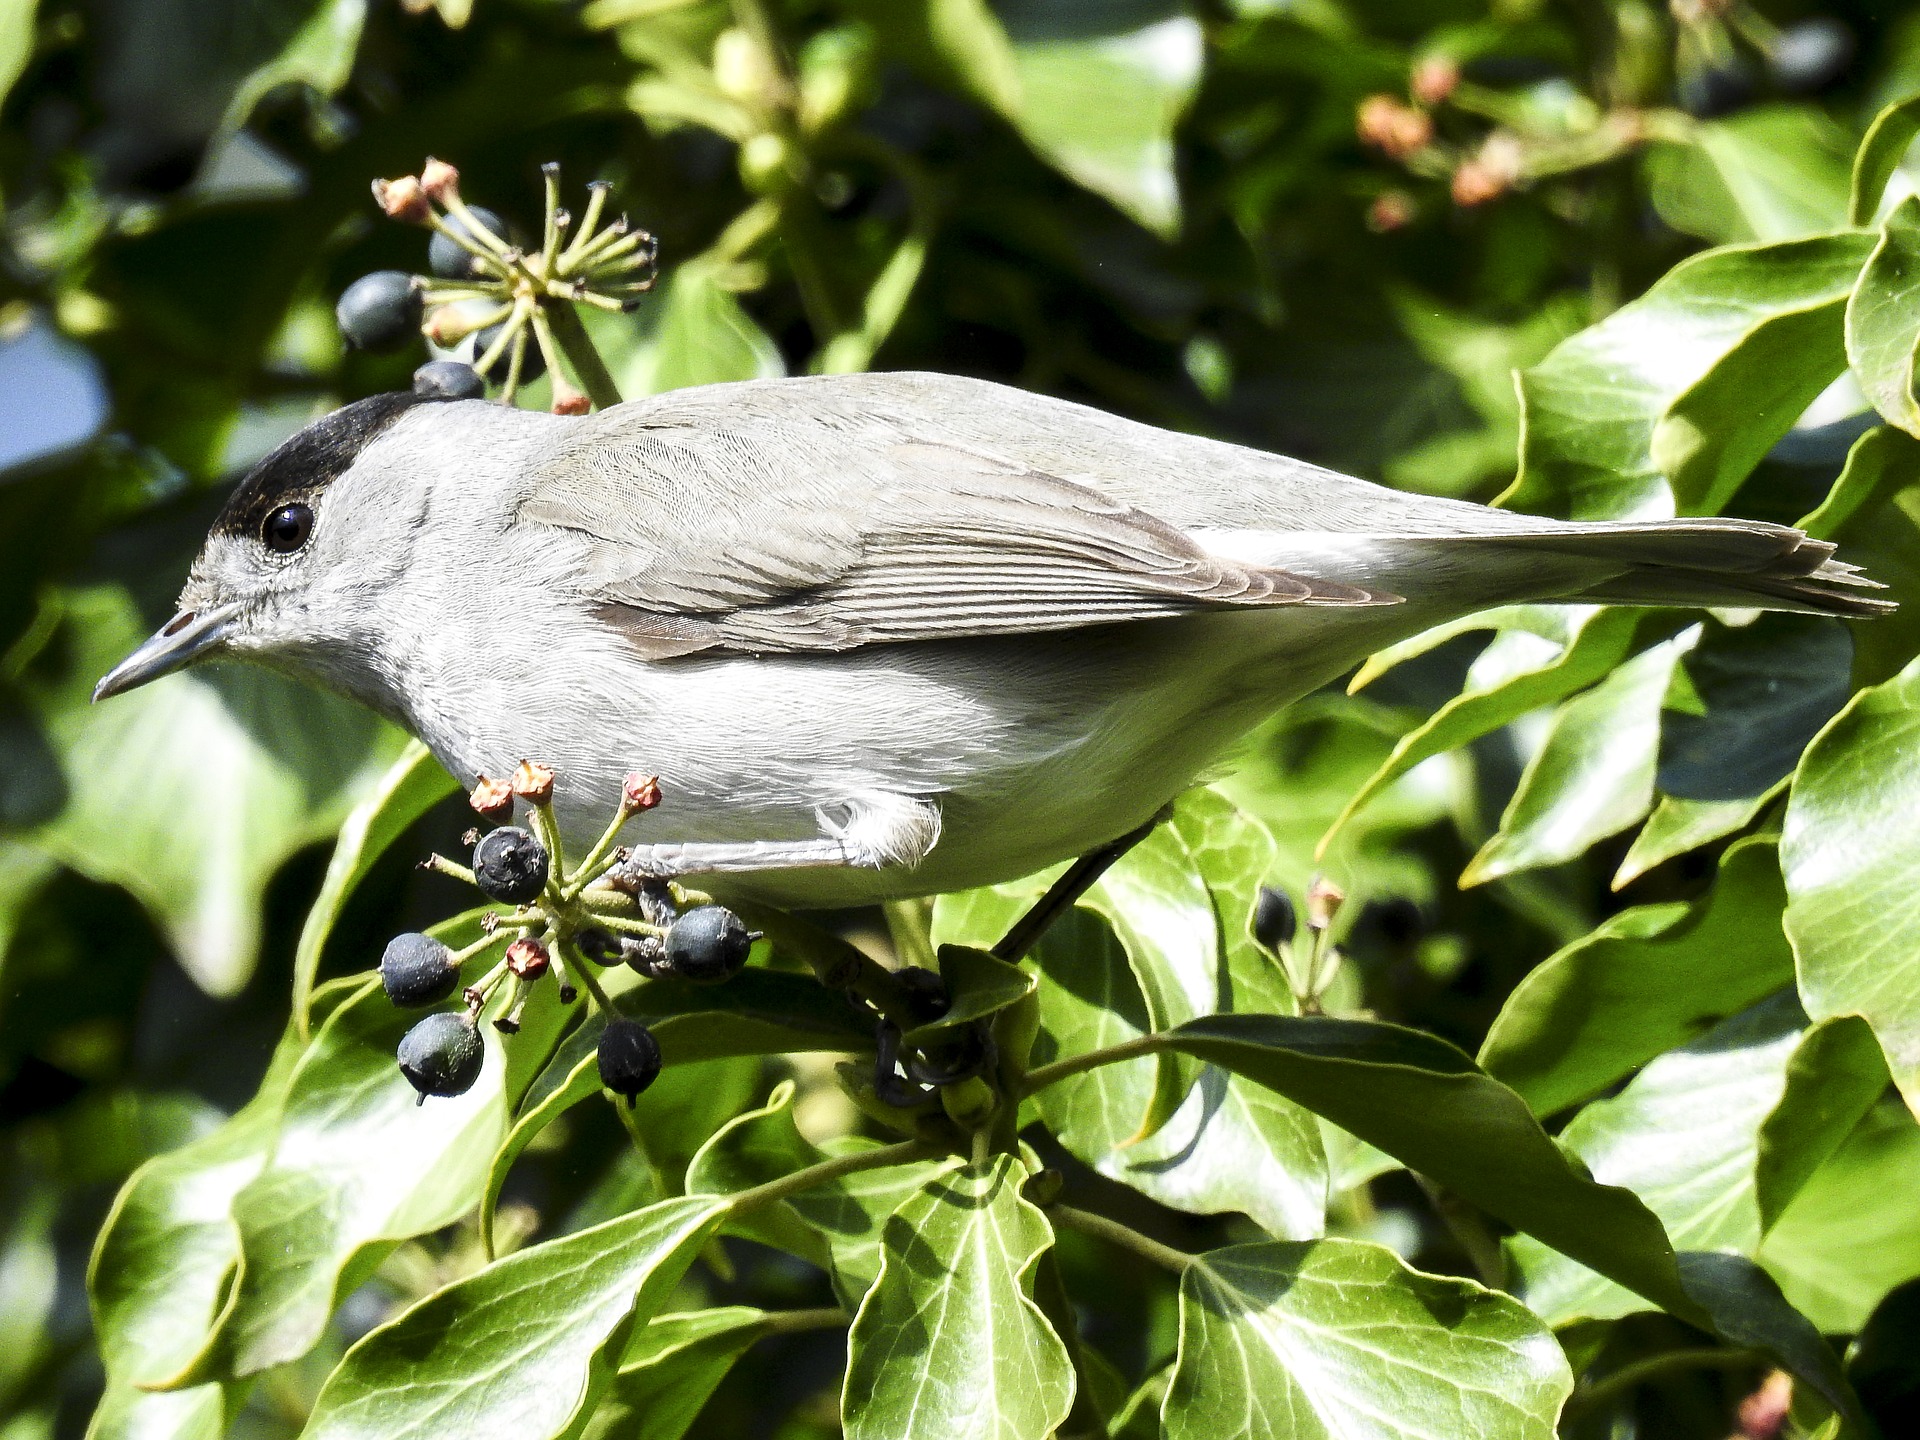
[878, 634]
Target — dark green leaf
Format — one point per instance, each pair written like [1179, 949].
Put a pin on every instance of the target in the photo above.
[753, 1149]
[1646, 980]
[1833, 1080]
[1336, 1338]
[672, 1365]
[978, 985]
[1881, 462]
[520, 1350]
[1851, 832]
[949, 1344]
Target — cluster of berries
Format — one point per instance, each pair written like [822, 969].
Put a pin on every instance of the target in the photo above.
[560, 922]
[486, 287]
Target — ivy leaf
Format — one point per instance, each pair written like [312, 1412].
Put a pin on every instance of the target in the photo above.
[852, 1213]
[1670, 400]
[695, 334]
[758, 1012]
[1541, 655]
[1883, 319]
[319, 55]
[1332, 1338]
[1159, 909]
[413, 784]
[1836, 1075]
[1592, 776]
[518, 1351]
[672, 1367]
[191, 794]
[1879, 155]
[949, 1344]
[1880, 463]
[1644, 981]
[1071, 59]
[980, 984]
[358, 1165]
[1685, 1137]
[1774, 172]
[751, 1149]
[163, 1258]
[1852, 829]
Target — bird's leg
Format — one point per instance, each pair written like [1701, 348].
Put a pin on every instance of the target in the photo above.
[873, 830]
[1074, 882]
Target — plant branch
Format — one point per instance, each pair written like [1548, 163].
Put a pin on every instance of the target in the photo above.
[574, 342]
[1125, 1236]
[1045, 1075]
[795, 1322]
[905, 1153]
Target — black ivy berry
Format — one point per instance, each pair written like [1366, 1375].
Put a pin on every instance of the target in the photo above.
[448, 380]
[449, 259]
[442, 1055]
[925, 989]
[380, 311]
[1715, 90]
[708, 945]
[510, 866]
[531, 368]
[1274, 919]
[417, 970]
[629, 1058]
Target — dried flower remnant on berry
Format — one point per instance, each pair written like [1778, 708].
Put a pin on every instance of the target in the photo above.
[1324, 899]
[533, 782]
[492, 799]
[640, 792]
[403, 200]
[528, 959]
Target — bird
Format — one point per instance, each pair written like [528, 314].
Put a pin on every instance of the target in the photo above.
[879, 635]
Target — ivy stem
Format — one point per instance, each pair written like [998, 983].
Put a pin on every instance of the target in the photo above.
[590, 982]
[773, 1191]
[574, 342]
[1628, 1377]
[1125, 1236]
[1044, 1075]
[795, 1322]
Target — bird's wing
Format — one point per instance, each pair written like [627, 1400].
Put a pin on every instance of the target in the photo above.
[780, 530]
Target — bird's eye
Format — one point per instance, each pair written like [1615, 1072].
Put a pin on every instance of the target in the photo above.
[287, 529]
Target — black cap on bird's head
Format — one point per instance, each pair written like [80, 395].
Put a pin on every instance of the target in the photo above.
[272, 508]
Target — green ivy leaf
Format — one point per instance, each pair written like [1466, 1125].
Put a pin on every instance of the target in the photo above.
[1646, 980]
[1685, 1137]
[1852, 830]
[1334, 1338]
[319, 56]
[1879, 155]
[1072, 57]
[1670, 400]
[1592, 776]
[1541, 655]
[751, 1149]
[518, 1351]
[191, 794]
[694, 334]
[1836, 1075]
[949, 1344]
[979, 985]
[852, 1213]
[1773, 172]
[758, 1012]
[358, 1165]
[672, 1367]
[1883, 319]
[413, 784]
[1880, 463]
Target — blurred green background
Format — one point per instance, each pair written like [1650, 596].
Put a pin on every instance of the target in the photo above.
[1326, 227]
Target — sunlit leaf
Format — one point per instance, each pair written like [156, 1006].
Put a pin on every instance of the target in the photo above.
[949, 1344]
[1644, 981]
[520, 1349]
[319, 56]
[1667, 402]
[1879, 155]
[672, 1365]
[1335, 1338]
[1847, 848]
[1773, 172]
[1883, 319]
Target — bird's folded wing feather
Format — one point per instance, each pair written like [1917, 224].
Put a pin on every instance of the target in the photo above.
[815, 536]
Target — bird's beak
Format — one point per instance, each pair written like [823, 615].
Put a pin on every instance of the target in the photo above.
[178, 643]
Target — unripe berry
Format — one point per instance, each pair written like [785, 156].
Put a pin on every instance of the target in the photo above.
[442, 1055]
[510, 866]
[417, 970]
[708, 945]
[629, 1058]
